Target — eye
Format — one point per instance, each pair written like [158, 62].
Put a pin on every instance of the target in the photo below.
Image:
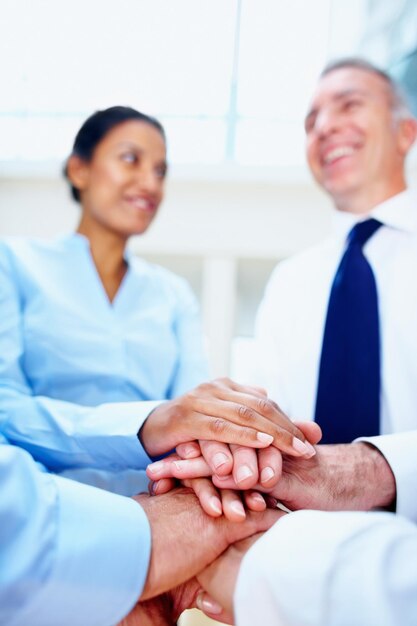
[161, 171]
[129, 157]
[309, 124]
[351, 104]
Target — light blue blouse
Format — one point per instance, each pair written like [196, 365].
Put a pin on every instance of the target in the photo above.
[70, 555]
[78, 374]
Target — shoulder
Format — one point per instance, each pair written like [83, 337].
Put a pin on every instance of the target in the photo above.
[22, 251]
[26, 246]
[305, 265]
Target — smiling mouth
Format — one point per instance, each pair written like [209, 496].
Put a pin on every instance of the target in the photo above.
[140, 203]
[337, 153]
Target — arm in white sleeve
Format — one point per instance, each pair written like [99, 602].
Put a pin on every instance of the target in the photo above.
[400, 451]
[60, 434]
[69, 554]
[331, 569]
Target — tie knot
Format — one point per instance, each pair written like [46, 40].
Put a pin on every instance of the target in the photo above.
[362, 231]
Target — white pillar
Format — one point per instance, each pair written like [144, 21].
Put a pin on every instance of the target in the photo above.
[218, 310]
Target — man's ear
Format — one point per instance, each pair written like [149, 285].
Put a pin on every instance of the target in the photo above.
[408, 134]
[77, 171]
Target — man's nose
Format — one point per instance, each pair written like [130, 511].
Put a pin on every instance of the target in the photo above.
[326, 122]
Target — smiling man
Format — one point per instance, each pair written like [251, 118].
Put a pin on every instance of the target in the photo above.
[339, 321]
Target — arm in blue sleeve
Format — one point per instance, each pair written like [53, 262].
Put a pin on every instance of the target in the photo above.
[69, 554]
[192, 367]
[60, 434]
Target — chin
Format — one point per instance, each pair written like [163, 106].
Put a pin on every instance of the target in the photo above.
[130, 227]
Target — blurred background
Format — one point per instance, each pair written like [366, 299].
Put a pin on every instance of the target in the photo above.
[230, 80]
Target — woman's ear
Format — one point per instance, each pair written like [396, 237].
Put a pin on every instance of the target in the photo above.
[77, 171]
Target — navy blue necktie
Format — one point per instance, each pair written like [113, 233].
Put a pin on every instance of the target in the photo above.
[348, 393]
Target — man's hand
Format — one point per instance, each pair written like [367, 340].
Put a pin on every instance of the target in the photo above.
[222, 411]
[219, 581]
[164, 610]
[263, 465]
[340, 477]
[185, 540]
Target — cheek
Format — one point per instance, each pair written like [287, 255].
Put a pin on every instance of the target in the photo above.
[312, 155]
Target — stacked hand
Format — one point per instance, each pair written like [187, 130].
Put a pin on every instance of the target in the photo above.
[237, 436]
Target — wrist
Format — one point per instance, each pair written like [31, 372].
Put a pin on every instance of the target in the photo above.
[153, 434]
[363, 479]
[381, 491]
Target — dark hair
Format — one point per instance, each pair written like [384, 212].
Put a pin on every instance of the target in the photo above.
[398, 100]
[96, 127]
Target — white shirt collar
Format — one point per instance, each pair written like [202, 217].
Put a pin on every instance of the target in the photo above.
[399, 212]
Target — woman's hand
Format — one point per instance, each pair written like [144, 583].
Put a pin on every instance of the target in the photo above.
[226, 412]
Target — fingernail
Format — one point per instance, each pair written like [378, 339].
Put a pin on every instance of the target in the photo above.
[237, 507]
[257, 497]
[189, 451]
[219, 459]
[153, 488]
[266, 474]
[156, 468]
[216, 505]
[180, 465]
[300, 446]
[207, 605]
[312, 449]
[264, 438]
[243, 473]
[224, 478]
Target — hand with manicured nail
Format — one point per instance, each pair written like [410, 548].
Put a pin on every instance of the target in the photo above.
[226, 412]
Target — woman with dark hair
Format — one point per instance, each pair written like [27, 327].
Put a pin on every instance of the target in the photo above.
[92, 338]
[84, 322]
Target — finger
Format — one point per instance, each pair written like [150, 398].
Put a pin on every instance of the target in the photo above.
[269, 466]
[179, 468]
[218, 456]
[233, 508]
[161, 486]
[226, 482]
[162, 468]
[207, 495]
[252, 412]
[311, 430]
[188, 450]
[245, 466]
[213, 422]
[254, 501]
[228, 383]
[212, 609]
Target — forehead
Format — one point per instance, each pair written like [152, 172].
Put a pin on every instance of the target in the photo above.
[348, 80]
[136, 133]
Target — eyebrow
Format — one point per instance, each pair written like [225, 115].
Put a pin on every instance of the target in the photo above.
[340, 95]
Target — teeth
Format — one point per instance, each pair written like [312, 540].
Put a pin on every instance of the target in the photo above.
[337, 153]
[140, 203]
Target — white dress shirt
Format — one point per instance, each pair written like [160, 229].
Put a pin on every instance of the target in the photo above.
[292, 315]
[316, 568]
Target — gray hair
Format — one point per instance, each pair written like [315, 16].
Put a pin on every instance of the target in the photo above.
[398, 100]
